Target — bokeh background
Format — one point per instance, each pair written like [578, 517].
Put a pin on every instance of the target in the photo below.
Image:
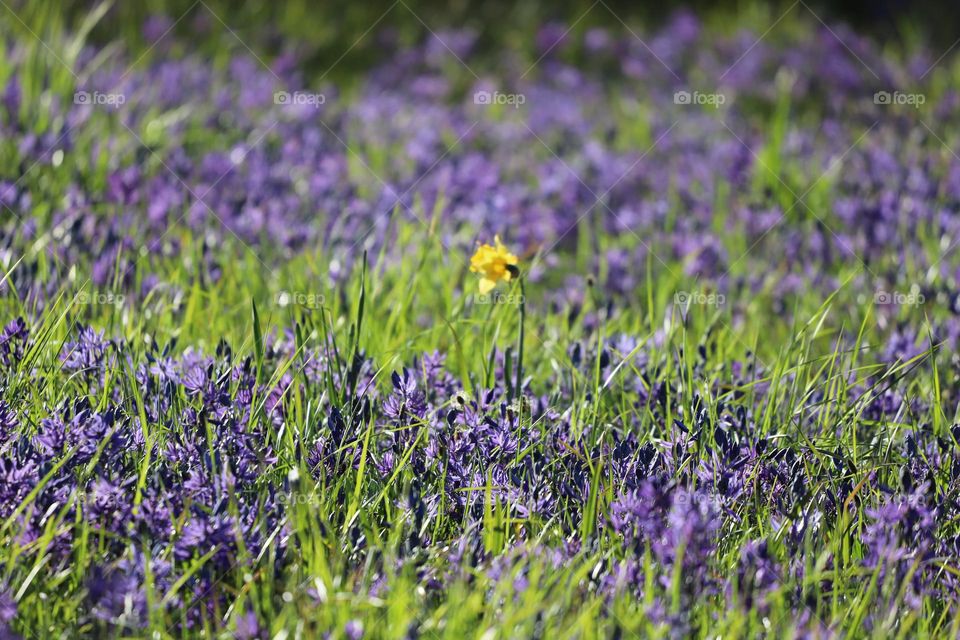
[321, 29]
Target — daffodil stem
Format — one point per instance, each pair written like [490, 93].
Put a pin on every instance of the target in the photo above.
[518, 389]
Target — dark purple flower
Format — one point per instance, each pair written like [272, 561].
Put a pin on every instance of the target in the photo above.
[87, 354]
[13, 341]
[757, 574]
[406, 402]
[8, 422]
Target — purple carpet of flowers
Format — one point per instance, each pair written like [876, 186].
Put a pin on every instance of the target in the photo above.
[293, 175]
[191, 470]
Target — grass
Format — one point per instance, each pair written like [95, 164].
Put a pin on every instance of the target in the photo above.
[809, 350]
[416, 307]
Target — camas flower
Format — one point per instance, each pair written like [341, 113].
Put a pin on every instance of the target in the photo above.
[13, 340]
[353, 630]
[8, 609]
[493, 264]
[8, 422]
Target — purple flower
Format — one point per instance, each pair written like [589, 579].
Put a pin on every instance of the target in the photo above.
[8, 607]
[8, 422]
[13, 341]
[353, 630]
[248, 628]
[406, 402]
[17, 480]
[117, 595]
[88, 354]
[899, 542]
[758, 574]
[203, 534]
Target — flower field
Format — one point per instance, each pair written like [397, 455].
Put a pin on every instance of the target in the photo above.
[614, 330]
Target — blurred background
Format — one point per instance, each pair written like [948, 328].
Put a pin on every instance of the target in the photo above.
[320, 29]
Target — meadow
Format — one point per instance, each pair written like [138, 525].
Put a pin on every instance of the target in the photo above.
[595, 332]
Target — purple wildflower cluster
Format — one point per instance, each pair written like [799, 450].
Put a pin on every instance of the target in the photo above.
[189, 472]
[279, 174]
[218, 488]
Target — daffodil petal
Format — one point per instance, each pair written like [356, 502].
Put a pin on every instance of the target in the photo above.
[487, 285]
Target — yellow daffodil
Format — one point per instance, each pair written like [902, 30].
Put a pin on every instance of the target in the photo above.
[493, 264]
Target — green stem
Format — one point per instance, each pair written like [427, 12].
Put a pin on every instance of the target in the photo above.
[523, 315]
